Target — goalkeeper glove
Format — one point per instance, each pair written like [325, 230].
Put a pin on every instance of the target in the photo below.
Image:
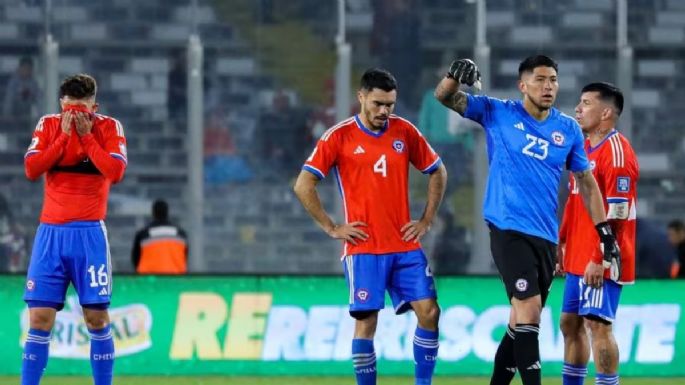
[464, 71]
[610, 250]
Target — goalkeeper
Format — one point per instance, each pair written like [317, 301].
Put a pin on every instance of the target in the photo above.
[529, 144]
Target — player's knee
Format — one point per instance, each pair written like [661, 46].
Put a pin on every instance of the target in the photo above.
[528, 309]
[42, 320]
[599, 329]
[96, 320]
[430, 315]
[571, 326]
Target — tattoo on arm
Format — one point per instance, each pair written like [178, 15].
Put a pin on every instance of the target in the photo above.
[447, 92]
[458, 102]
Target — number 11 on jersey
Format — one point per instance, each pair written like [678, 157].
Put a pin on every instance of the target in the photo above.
[381, 166]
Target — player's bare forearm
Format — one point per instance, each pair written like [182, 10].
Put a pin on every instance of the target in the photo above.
[437, 182]
[592, 196]
[305, 190]
[447, 92]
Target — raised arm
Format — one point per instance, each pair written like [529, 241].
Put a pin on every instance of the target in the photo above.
[463, 71]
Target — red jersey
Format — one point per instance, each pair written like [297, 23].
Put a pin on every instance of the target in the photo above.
[616, 170]
[79, 170]
[372, 170]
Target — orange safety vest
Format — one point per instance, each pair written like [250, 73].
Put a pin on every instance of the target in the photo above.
[163, 250]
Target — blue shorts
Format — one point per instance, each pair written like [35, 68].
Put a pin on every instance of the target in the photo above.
[585, 300]
[406, 276]
[76, 252]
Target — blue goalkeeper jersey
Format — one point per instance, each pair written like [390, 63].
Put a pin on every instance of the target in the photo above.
[526, 160]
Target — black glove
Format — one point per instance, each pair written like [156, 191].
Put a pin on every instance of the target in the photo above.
[464, 71]
[610, 250]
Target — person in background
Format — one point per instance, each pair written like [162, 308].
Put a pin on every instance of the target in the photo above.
[160, 247]
[22, 91]
[676, 236]
[13, 251]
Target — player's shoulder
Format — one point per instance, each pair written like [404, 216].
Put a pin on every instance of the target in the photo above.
[47, 121]
[622, 153]
[338, 130]
[110, 124]
[401, 123]
[567, 121]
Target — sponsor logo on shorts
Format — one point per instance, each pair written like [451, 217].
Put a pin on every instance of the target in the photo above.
[521, 285]
[363, 295]
[30, 285]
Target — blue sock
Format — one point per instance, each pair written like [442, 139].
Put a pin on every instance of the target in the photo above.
[102, 355]
[606, 379]
[573, 374]
[35, 357]
[364, 360]
[425, 354]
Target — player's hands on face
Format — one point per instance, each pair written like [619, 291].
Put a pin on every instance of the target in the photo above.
[66, 121]
[350, 232]
[464, 71]
[414, 231]
[84, 123]
[594, 274]
[559, 268]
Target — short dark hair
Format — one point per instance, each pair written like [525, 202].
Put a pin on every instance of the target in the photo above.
[378, 78]
[160, 210]
[676, 225]
[608, 93]
[80, 86]
[532, 62]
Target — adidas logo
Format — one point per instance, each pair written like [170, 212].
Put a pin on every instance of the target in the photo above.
[359, 150]
[535, 366]
[513, 370]
[519, 126]
[103, 291]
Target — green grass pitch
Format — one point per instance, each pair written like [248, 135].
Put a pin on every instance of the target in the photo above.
[121, 380]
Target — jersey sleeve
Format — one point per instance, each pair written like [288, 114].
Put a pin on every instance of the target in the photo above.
[323, 157]
[109, 157]
[577, 158]
[42, 154]
[479, 109]
[421, 154]
[618, 184]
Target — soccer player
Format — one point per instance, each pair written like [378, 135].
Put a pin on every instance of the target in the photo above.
[529, 143]
[370, 154]
[81, 154]
[592, 292]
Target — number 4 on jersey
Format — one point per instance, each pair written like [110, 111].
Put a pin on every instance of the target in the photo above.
[381, 166]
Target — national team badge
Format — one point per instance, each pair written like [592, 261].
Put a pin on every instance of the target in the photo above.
[398, 145]
[558, 138]
[623, 184]
[363, 295]
[30, 285]
[521, 285]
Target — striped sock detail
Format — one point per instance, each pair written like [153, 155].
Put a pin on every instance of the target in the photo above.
[38, 339]
[574, 370]
[510, 332]
[606, 379]
[527, 329]
[361, 360]
[428, 343]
